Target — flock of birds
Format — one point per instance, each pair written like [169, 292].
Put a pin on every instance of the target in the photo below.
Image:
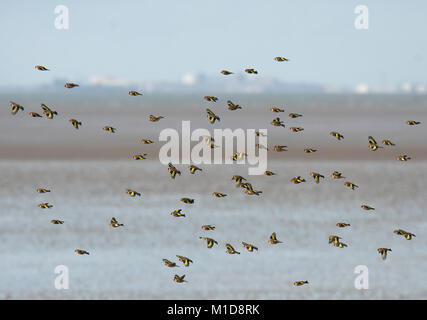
[239, 180]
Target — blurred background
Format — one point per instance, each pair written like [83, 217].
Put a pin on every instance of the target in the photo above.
[359, 82]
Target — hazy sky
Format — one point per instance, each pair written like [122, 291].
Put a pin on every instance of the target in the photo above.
[162, 40]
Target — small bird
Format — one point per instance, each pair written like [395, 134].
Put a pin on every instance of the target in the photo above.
[350, 185]
[373, 144]
[42, 190]
[336, 135]
[238, 179]
[75, 123]
[366, 207]
[109, 129]
[140, 156]
[253, 192]
[208, 227]
[56, 221]
[340, 244]
[280, 59]
[210, 98]
[169, 264]
[115, 224]
[273, 239]
[41, 68]
[251, 71]
[383, 252]
[212, 116]
[47, 111]
[316, 176]
[387, 143]
[260, 146]
[238, 155]
[186, 261]
[342, 224]
[132, 193]
[226, 72]
[280, 148]
[374, 147]
[246, 185]
[297, 180]
[70, 85]
[15, 107]
[275, 109]
[45, 205]
[81, 252]
[177, 213]
[309, 150]
[296, 129]
[209, 242]
[179, 279]
[334, 239]
[187, 200]
[412, 122]
[407, 235]
[34, 115]
[146, 141]
[403, 158]
[300, 283]
[230, 249]
[277, 123]
[155, 118]
[337, 175]
[269, 173]
[232, 106]
[134, 93]
[259, 134]
[193, 169]
[294, 115]
[249, 247]
[173, 171]
[219, 195]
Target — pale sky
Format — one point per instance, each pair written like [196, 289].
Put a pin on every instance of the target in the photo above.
[163, 40]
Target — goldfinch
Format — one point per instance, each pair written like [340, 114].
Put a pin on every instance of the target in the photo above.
[132, 193]
[109, 129]
[350, 185]
[70, 85]
[41, 68]
[81, 252]
[251, 71]
[155, 118]
[280, 59]
[230, 249]
[187, 200]
[316, 176]
[115, 224]
[277, 123]
[209, 242]
[297, 180]
[193, 169]
[75, 123]
[134, 93]
[15, 107]
[169, 264]
[249, 247]
[273, 239]
[173, 171]
[383, 252]
[186, 261]
[208, 227]
[336, 135]
[177, 213]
